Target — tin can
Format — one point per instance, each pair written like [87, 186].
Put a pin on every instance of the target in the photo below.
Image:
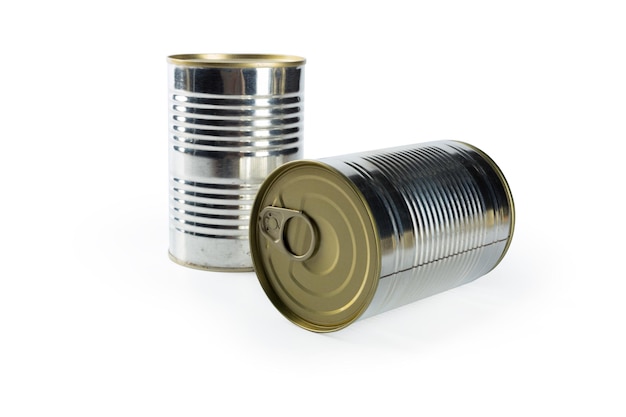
[348, 237]
[232, 120]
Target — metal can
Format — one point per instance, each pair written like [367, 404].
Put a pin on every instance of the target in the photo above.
[348, 237]
[233, 118]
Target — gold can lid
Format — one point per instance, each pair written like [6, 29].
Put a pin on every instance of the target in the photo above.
[236, 60]
[315, 246]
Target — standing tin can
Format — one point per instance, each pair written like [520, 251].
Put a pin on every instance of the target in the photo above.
[348, 237]
[232, 120]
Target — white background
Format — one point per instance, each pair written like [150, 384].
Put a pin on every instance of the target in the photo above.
[95, 320]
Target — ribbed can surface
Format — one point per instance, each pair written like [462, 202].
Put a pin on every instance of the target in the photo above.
[232, 120]
[422, 219]
[444, 213]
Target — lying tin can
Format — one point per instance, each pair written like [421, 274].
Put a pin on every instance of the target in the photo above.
[232, 120]
[347, 237]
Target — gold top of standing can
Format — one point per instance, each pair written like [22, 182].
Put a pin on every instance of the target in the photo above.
[315, 246]
[236, 60]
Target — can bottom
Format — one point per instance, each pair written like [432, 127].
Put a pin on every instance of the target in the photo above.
[209, 253]
[208, 268]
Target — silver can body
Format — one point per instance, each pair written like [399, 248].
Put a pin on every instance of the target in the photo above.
[444, 213]
[232, 120]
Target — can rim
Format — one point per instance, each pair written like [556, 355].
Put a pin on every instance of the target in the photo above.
[260, 268]
[507, 190]
[218, 60]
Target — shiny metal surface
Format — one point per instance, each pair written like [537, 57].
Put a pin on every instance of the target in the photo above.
[391, 226]
[444, 213]
[232, 120]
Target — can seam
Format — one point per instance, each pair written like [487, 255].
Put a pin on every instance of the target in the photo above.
[446, 257]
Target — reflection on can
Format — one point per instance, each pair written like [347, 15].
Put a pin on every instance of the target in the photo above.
[347, 237]
[232, 120]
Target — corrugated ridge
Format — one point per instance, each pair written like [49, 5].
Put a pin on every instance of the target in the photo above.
[211, 209]
[439, 217]
[238, 126]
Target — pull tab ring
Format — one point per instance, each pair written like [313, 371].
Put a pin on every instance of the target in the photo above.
[273, 222]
